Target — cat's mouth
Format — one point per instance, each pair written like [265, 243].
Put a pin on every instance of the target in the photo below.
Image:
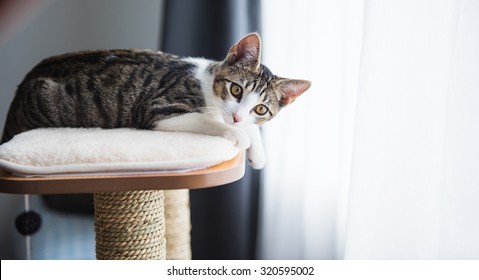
[234, 119]
[229, 118]
[239, 123]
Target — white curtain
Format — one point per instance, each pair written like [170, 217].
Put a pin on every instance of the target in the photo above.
[380, 158]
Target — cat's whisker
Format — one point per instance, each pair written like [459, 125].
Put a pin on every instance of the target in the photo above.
[216, 102]
[225, 111]
[211, 108]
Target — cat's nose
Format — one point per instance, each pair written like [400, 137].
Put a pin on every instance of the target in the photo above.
[236, 118]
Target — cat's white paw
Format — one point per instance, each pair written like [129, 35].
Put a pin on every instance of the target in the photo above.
[256, 158]
[238, 137]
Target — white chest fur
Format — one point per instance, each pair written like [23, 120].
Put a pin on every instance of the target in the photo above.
[214, 105]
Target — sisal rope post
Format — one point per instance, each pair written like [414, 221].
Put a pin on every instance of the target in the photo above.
[178, 224]
[130, 225]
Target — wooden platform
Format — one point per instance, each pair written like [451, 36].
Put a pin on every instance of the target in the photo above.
[223, 173]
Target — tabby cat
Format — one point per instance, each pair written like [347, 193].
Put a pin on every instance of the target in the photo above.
[146, 89]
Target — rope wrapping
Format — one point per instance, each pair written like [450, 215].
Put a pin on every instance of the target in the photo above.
[178, 224]
[130, 225]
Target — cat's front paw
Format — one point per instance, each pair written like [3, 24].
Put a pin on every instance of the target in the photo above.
[238, 137]
[256, 158]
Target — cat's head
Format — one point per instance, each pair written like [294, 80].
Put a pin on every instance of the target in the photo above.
[251, 94]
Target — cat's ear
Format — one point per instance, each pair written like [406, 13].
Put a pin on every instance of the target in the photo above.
[247, 51]
[289, 89]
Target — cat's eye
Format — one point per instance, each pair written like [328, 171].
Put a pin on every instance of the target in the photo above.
[261, 109]
[236, 90]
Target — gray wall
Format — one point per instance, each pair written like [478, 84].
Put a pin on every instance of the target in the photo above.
[64, 26]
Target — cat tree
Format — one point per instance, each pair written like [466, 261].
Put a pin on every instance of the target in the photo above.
[137, 216]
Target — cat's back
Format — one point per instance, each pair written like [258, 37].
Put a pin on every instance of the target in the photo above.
[97, 62]
[102, 88]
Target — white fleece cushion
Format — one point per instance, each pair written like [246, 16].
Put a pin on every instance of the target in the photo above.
[94, 150]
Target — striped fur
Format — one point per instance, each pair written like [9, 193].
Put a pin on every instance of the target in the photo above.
[108, 89]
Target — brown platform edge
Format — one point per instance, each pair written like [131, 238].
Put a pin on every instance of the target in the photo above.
[220, 174]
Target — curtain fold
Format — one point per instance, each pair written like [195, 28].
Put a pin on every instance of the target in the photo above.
[417, 197]
[381, 158]
[305, 186]
[224, 219]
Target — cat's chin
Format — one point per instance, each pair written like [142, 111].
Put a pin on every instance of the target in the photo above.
[231, 122]
[238, 124]
[242, 125]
